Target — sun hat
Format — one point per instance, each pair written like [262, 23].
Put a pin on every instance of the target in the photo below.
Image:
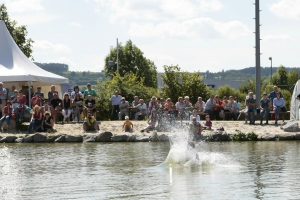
[47, 112]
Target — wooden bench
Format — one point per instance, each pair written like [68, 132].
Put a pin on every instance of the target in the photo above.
[282, 115]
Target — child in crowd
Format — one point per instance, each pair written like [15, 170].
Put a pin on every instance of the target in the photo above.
[127, 126]
[207, 123]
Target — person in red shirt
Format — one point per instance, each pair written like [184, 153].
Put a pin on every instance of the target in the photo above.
[7, 114]
[36, 100]
[36, 119]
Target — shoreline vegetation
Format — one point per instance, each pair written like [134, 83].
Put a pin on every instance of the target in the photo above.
[111, 131]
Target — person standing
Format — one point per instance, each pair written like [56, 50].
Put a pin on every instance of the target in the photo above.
[265, 105]
[115, 101]
[39, 93]
[89, 91]
[51, 94]
[3, 94]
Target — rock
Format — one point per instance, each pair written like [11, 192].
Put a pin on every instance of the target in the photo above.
[154, 137]
[221, 137]
[163, 138]
[89, 138]
[286, 136]
[119, 138]
[267, 137]
[142, 139]
[8, 139]
[28, 139]
[51, 138]
[60, 139]
[297, 136]
[131, 138]
[19, 140]
[291, 126]
[39, 137]
[73, 138]
[104, 137]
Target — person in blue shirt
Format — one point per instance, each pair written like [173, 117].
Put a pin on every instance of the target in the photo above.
[265, 105]
[273, 95]
[278, 106]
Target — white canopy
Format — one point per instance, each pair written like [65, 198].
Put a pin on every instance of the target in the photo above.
[294, 113]
[15, 66]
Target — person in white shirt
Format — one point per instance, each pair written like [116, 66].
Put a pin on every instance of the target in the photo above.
[142, 109]
[115, 101]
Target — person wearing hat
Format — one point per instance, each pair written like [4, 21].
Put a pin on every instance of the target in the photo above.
[127, 126]
[124, 108]
[265, 105]
[47, 123]
[89, 91]
[6, 116]
[115, 101]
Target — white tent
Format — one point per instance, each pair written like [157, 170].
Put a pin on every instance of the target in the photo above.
[294, 102]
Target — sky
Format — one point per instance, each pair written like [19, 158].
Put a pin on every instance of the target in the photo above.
[197, 35]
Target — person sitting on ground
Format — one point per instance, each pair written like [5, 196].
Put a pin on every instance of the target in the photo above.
[124, 108]
[7, 115]
[36, 119]
[265, 105]
[51, 94]
[90, 123]
[75, 92]
[39, 93]
[90, 106]
[66, 107]
[151, 121]
[127, 126]
[47, 123]
[169, 104]
[278, 106]
[195, 114]
[233, 107]
[141, 109]
[251, 105]
[36, 100]
[207, 123]
[200, 105]
[55, 106]
[209, 107]
[21, 109]
[77, 107]
[89, 91]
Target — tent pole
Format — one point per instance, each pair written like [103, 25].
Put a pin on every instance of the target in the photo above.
[29, 99]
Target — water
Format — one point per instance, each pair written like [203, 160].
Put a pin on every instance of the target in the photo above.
[229, 170]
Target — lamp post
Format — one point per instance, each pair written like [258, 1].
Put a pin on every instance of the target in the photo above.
[112, 63]
[270, 58]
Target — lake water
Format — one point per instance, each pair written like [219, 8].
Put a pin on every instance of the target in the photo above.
[228, 170]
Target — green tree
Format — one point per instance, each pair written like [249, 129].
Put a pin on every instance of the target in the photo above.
[280, 78]
[292, 80]
[18, 33]
[180, 83]
[249, 85]
[131, 59]
[226, 90]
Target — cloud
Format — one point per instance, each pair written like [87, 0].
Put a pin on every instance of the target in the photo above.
[78, 25]
[198, 28]
[277, 37]
[210, 5]
[34, 18]
[286, 9]
[46, 45]
[24, 6]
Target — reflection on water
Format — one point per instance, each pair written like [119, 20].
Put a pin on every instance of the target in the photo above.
[228, 170]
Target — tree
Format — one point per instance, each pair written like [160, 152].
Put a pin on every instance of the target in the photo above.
[280, 78]
[292, 80]
[180, 83]
[131, 59]
[18, 33]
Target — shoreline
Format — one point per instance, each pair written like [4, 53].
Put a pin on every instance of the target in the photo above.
[111, 131]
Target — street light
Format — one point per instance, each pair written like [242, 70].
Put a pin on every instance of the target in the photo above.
[270, 58]
[112, 63]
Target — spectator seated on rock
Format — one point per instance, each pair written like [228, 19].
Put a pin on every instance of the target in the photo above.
[207, 123]
[124, 108]
[36, 119]
[209, 107]
[36, 100]
[90, 106]
[251, 111]
[39, 93]
[90, 123]
[55, 106]
[134, 109]
[127, 126]
[233, 107]
[265, 105]
[141, 109]
[66, 107]
[151, 121]
[47, 123]
[7, 115]
[200, 105]
[51, 94]
[77, 107]
[195, 114]
[278, 106]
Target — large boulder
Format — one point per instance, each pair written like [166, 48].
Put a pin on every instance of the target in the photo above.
[28, 139]
[297, 136]
[19, 140]
[89, 138]
[267, 136]
[291, 126]
[142, 139]
[220, 136]
[119, 138]
[8, 139]
[60, 139]
[154, 137]
[286, 136]
[131, 138]
[73, 138]
[51, 138]
[104, 137]
[163, 138]
[39, 137]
